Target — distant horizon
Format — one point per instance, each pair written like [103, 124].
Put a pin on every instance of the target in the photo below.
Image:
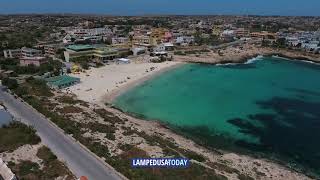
[150, 15]
[163, 7]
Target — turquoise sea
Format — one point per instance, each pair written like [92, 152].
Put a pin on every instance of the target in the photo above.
[269, 106]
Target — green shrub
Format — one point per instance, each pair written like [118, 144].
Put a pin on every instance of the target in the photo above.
[15, 135]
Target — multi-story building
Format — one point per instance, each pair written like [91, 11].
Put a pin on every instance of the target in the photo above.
[29, 52]
[262, 35]
[27, 56]
[157, 36]
[120, 40]
[90, 32]
[141, 39]
[12, 53]
[242, 32]
[310, 46]
[228, 34]
[36, 61]
[50, 50]
[23, 52]
[163, 47]
[94, 52]
[185, 40]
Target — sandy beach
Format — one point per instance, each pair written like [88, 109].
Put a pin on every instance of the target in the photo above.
[101, 85]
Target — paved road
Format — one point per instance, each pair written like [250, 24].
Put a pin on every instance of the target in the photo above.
[80, 162]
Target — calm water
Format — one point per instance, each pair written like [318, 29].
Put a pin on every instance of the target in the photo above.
[270, 106]
[5, 117]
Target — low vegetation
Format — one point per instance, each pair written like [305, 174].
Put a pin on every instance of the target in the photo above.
[10, 83]
[109, 130]
[245, 177]
[193, 172]
[40, 100]
[52, 167]
[109, 117]
[32, 87]
[15, 135]
[14, 65]
[70, 110]
[68, 100]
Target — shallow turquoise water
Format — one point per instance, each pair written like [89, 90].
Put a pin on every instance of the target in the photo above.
[270, 106]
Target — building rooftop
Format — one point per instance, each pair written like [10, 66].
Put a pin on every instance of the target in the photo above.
[80, 47]
[30, 49]
[58, 81]
[105, 50]
[34, 58]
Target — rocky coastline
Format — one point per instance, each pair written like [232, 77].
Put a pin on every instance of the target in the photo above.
[234, 55]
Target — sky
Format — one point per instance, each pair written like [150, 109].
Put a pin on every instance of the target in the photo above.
[155, 7]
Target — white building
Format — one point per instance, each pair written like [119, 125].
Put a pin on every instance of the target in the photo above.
[123, 61]
[120, 40]
[23, 52]
[168, 46]
[90, 32]
[292, 41]
[138, 50]
[80, 34]
[310, 46]
[228, 33]
[67, 39]
[185, 40]
[159, 48]
[29, 52]
[12, 53]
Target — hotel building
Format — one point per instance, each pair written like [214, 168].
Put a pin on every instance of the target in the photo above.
[94, 52]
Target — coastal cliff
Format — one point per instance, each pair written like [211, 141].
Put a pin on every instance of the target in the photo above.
[236, 55]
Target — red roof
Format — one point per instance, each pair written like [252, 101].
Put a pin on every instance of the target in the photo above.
[83, 178]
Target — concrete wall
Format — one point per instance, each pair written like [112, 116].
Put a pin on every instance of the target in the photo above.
[5, 172]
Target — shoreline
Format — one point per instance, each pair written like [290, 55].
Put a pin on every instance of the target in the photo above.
[210, 152]
[109, 98]
[219, 151]
[235, 55]
[116, 93]
[248, 58]
[185, 142]
[101, 85]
